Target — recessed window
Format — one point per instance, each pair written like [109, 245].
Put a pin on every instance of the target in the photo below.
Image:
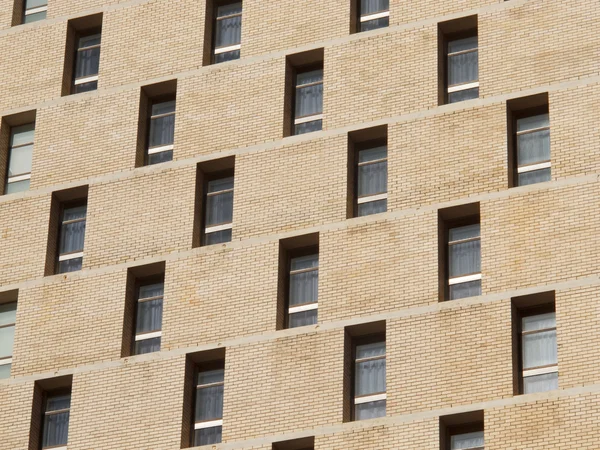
[369, 379]
[307, 443]
[71, 237]
[304, 289]
[371, 179]
[308, 113]
[57, 407]
[8, 318]
[34, 10]
[162, 130]
[462, 431]
[87, 63]
[148, 323]
[208, 423]
[459, 67]
[529, 140]
[20, 153]
[228, 31]
[219, 211]
[374, 14]
[539, 352]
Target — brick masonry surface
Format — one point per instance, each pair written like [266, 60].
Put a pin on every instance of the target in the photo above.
[443, 358]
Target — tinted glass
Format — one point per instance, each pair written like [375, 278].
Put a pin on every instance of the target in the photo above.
[372, 179]
[308, 127]
[460, 96]
[373, 6]
[466, 232]
[218, 237]
[209, 403]
[532, 122]
[85, 87]
[162, 131]
[29, 4]
[20, 160]
[464, 290]
[160, 157]
[309, 100]
[535, 176]
[540, 383]
[303, 318]
[22, 135]
[368, 208]
[8, 313]
[460, 45]
[72, 237]
[163, 108]
[207, 436]
[58, 402]
[149, 316]
[465, 258]
[17, 186]
[70, 265]
[88, 62]
[467, 441]
[375, 24]
[219, 208]
[7, 339]
[228, 31]
[211, 376]
[227, 56]
[5, 371]
[147, 346]
[29, 18]
[370, 410]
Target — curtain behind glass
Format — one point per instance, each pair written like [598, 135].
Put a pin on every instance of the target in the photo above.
[228, 30]
[208, 436]
[304, 286]
[535, 176]
[149, 313]
[465, 258]
[72, 234]
[147, 346]
[218, 237]
[467, 441]
[463, 68]
[370, 410]
[372, 179]
[370, 375]
[368, 7]
[209, 403]
[219, 209]
[303, 318]
[464, 290]
[162, 131]
[368, 208]
[88, 60]
[540, 383]
[56, 426]
[309, 100]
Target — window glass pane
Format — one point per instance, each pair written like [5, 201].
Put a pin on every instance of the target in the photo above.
[460, 45]
[8, 313]
[56, 429]
[368, 208]
[370, 350]
[228, 31]
[370, 377]
[88, 41]
[466, 441]
[304, 287]
[529, 123]
[309, 100]
[219, 208]
[5, 371]
[227, 56]
[209, 403]
[77, 212]
[308, 127]
[370, 410]
[372, 179]
[86, 87]
[535, 176]
[304, 262]
[540, 383]
[147, 346]
[465, 258]
[70, 265]
[163, 108]
[151, 290]
[372, 154]
[464, 290]
[313, 76]
[29, 18]
[58, 402]
[7, 339]
[229, 9]
[149, 316]
[17, 186]
[539, 322]
[466, 232]
[218, 237]
[20, 160]
[88, 62]
[539, 349]
[222, 184]
[29, 4]
[161, 157]
[22, 135]
[72, 237]
[162, 131]
[207, 436]
[374, 24]
[304, 318]
[461, 96]
[463, 68]
[211, 376]
[533, 147]
[372, 6]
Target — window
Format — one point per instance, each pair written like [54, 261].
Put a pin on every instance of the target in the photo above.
[208, 422]
[71, 237]
[304, 288]
[308, 112]
[8, 316]
[307, 443]
[149, 318]
[56, 420]
[371, 176]
[161, 131]
[87, 63]
[462, 431]
[539, 352]
[374, 14]
[464, 261]
[19, 158]
[460, 65]
[529, 140]
[34, 10]
[228, 31]
[219, 211]
[369, 379]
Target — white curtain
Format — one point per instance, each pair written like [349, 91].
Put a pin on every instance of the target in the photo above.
[370, 375]
[540, 383]
[229, 32]
[149, 313]
[372, 6]
[467, 441]
[301, 319]
[533, 147]
[372, 179]
[309, 100]
[465, 258]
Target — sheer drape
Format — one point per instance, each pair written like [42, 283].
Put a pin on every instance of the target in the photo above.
[309, 99]
[539, 347]
[88, 59]
[540, 383]
[370, 410]
[303, 318]
[368, 208]
[162, 129]
[370, 375]
[535, 176]
[463, 67]
[372, 179]
[72, 234]
[465, 258]
[373, 6]
[149, 313]
[304, 286]
[219, 207]
[533, 147]
[208, 436]
[147, 346]
[209, 400]
[467, 441]
[464, 290]
[228, 29]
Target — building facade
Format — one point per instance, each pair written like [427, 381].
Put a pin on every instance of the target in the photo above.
[299, 225]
